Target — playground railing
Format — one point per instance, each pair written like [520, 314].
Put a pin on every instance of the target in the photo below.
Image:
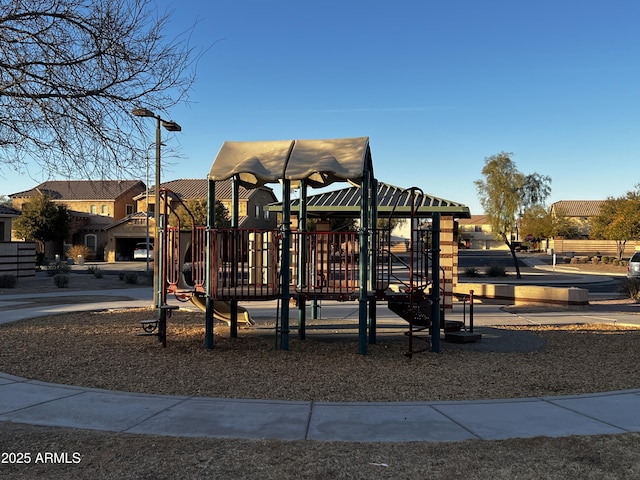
[325, 264]
[245, 264]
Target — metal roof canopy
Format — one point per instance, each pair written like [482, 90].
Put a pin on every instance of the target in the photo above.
[319, 162]
[346, 203]
[307, 163]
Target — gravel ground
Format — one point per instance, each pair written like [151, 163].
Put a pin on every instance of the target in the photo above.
[101, 350]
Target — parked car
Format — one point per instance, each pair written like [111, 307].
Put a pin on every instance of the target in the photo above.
[633, 268]
[141, 252]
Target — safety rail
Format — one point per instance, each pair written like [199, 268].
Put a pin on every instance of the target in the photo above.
[407, 272]
[245, 264]
[328, 264]
[199, 257]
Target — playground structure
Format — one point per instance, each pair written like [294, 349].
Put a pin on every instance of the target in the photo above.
[218, 267]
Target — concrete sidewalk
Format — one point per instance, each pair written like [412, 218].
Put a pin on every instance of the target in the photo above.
[39, 403]
[46, 404]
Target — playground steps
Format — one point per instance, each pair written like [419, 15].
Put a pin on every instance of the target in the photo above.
[416, 313]
[419, 314]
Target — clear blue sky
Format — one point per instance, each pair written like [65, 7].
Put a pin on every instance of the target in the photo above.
[437, 86]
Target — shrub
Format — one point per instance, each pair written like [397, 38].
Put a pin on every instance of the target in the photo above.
[606, 259]
[471, 272]
[92, 269]
[95, 271]
[595, 260]
[631, 288]
[495, 270]
[76, 250]
[57, 267]
[131, 278]
[61, 280]
[8, 281]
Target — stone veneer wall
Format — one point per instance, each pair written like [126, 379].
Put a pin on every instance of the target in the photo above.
[448, 259]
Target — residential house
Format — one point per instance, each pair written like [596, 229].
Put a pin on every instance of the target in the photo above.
[93, 204]
[124, 234]
[579, 212]
[476, 233]
[7, 215]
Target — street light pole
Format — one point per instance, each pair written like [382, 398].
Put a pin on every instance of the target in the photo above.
[171, 127]
[146, 212]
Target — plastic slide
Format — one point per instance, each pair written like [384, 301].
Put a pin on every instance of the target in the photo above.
[222, 310]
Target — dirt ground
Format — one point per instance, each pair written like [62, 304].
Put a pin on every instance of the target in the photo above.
[101, 350]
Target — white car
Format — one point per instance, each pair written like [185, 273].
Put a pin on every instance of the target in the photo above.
[141, 252]
[633, 267]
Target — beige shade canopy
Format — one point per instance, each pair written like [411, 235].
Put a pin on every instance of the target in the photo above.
[320, 162]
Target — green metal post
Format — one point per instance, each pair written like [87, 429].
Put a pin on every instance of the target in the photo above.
[235, 245]
[285, 262]
[162, 247]
[364, 264]
[208, 331]
[435, 276]
[302, 260]
[373, 271]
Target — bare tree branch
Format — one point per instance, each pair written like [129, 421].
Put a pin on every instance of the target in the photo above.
[70, 73]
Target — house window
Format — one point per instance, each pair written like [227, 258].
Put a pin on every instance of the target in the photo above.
[105, 210]
[257, 211]
[91, 241]
[94, 209]
[478, 228]
[266, 214]
[129, 209]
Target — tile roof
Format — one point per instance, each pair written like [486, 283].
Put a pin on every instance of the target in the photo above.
[188, 188]
[474, 220]
[7, 211]
[578, 208]
[80, 189]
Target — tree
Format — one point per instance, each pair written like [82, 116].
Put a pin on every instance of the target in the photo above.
[390, 223]
[536, 224]
[505, 192]
[565, 227]
[70, 73]
[619, 220]
[42, 221]
[198, 208]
